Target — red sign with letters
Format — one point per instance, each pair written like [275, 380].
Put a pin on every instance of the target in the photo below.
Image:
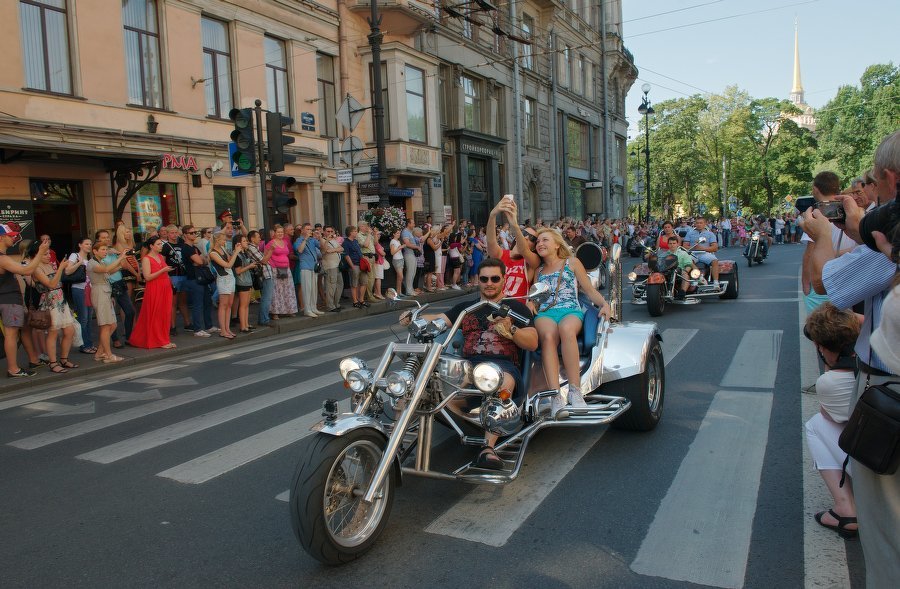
[170, 161]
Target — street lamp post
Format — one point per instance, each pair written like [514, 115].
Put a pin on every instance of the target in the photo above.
[637, 180]
[646, 110]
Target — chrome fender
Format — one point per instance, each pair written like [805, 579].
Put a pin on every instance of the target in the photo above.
[627, 349]
[348, 422]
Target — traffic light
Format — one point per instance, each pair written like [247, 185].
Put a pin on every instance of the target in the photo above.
[245, 156]
[276, 140]
[281, 197]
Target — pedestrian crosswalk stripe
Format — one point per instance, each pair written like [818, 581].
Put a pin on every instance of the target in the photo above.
[228, 458]
[164, 435]
[674, 340]
[292, 351]
[91, 384]
[244, 349]
[373, 346]
[702, 529]
[755, 362]
[98, 423]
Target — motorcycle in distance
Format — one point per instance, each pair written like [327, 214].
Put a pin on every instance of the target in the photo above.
[348, 471]
[755, 251]
[655, 282]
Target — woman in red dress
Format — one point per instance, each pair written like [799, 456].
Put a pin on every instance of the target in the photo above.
[152, 328]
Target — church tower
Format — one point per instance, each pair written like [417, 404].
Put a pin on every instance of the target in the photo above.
[807, 118]
[797, 89]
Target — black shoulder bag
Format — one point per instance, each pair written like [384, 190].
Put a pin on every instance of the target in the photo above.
[872, 434]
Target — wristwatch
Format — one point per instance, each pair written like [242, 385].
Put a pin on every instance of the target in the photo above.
[513, 330]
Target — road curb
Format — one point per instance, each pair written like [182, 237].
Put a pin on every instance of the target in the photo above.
[188, 344]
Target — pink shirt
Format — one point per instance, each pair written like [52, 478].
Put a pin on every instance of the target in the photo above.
[279, 257]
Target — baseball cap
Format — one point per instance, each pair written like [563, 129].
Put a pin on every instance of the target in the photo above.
[9, 230]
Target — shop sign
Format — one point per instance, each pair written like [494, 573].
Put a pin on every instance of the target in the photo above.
[437, 182]
[367, 198]
[20, 212]
[401, 192]
[170, 161]
[369, 188]
[345, 176]
[479, 149]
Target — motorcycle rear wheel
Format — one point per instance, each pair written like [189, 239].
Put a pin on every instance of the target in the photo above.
[646, 391]
[656, 299]
[329, 517]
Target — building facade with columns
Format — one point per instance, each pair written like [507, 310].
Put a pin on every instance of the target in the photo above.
[118, 109]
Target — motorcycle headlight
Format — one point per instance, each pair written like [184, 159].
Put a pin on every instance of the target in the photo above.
[350, 363]
[632, 276]
[399, 383]
[359, 380]
[695, 273]
[455, 371]
[487, 377]
[755, 237]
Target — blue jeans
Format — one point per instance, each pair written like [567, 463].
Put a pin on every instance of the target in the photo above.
[265, 300]
[200, 303]
[726, 237]
[85, 314]
[120, 296]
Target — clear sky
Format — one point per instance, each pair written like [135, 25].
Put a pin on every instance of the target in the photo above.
[838, 40]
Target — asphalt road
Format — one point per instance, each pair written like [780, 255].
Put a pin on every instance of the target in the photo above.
[175, 475]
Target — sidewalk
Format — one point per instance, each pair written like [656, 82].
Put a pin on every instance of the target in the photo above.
[188, 344]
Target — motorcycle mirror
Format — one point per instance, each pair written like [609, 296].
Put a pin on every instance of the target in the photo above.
[539, 292]
[391, 294]
[701, 240]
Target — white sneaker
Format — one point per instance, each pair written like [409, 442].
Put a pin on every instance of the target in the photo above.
[317, 312]
[201, 333]
[558, 409]
[715, 283]
[455, 287]
[576, 400]
[213, 330]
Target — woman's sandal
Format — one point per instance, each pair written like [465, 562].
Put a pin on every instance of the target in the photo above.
[169, 346]
[100, 357]
[842, 523]
[57, 368]
[112, 359]
[488, 459]
[64, 362]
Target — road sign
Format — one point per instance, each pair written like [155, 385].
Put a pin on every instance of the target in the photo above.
[345, 176]
[350, 113]
[351, 150]
[235, 171]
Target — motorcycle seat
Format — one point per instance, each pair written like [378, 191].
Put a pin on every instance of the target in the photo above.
[587, 337]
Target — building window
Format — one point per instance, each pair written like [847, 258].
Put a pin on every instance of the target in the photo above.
[415, 104]
[477, 175]
[577, 143]
[142, 53]
[325, 74]
[527, 50]
[445, 87]
[578, 75]
[564, 65]
[589, 80]
[471, 103]
[216, 68]
[155, 204]
[530, 130]
[45, 45]
[384, 99]
[276, 76]
[468, 30]
[228, 199]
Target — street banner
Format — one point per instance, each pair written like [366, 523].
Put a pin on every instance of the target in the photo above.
[20, 212]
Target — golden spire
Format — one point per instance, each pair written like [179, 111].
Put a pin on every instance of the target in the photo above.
[797, 89]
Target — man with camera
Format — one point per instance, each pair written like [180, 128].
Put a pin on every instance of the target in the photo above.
[866, 274]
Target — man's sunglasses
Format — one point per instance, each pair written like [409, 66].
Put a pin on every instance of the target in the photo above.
[495, 279]
[531, 238]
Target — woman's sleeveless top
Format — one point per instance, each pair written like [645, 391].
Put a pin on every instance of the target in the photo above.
[567, 295]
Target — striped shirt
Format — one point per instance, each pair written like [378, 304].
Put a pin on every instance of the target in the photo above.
[861, 275]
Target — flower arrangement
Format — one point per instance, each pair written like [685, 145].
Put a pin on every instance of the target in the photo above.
[386, 219]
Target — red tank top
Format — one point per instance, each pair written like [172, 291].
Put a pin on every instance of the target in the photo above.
[516, 276]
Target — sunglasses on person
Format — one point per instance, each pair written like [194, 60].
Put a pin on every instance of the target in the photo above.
[531, 238]
[193, 232]
[495, 279]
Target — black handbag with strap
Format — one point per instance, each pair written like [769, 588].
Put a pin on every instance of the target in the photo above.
[872, 434]
[76, 277]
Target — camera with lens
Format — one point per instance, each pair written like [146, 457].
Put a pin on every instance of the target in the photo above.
[833, 210]
[131, 252]
[885, 219]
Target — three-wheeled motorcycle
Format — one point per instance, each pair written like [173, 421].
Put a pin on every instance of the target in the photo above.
[655, 283]
[349, 470]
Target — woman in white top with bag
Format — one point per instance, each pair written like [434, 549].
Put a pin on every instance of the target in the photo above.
[834, 333]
